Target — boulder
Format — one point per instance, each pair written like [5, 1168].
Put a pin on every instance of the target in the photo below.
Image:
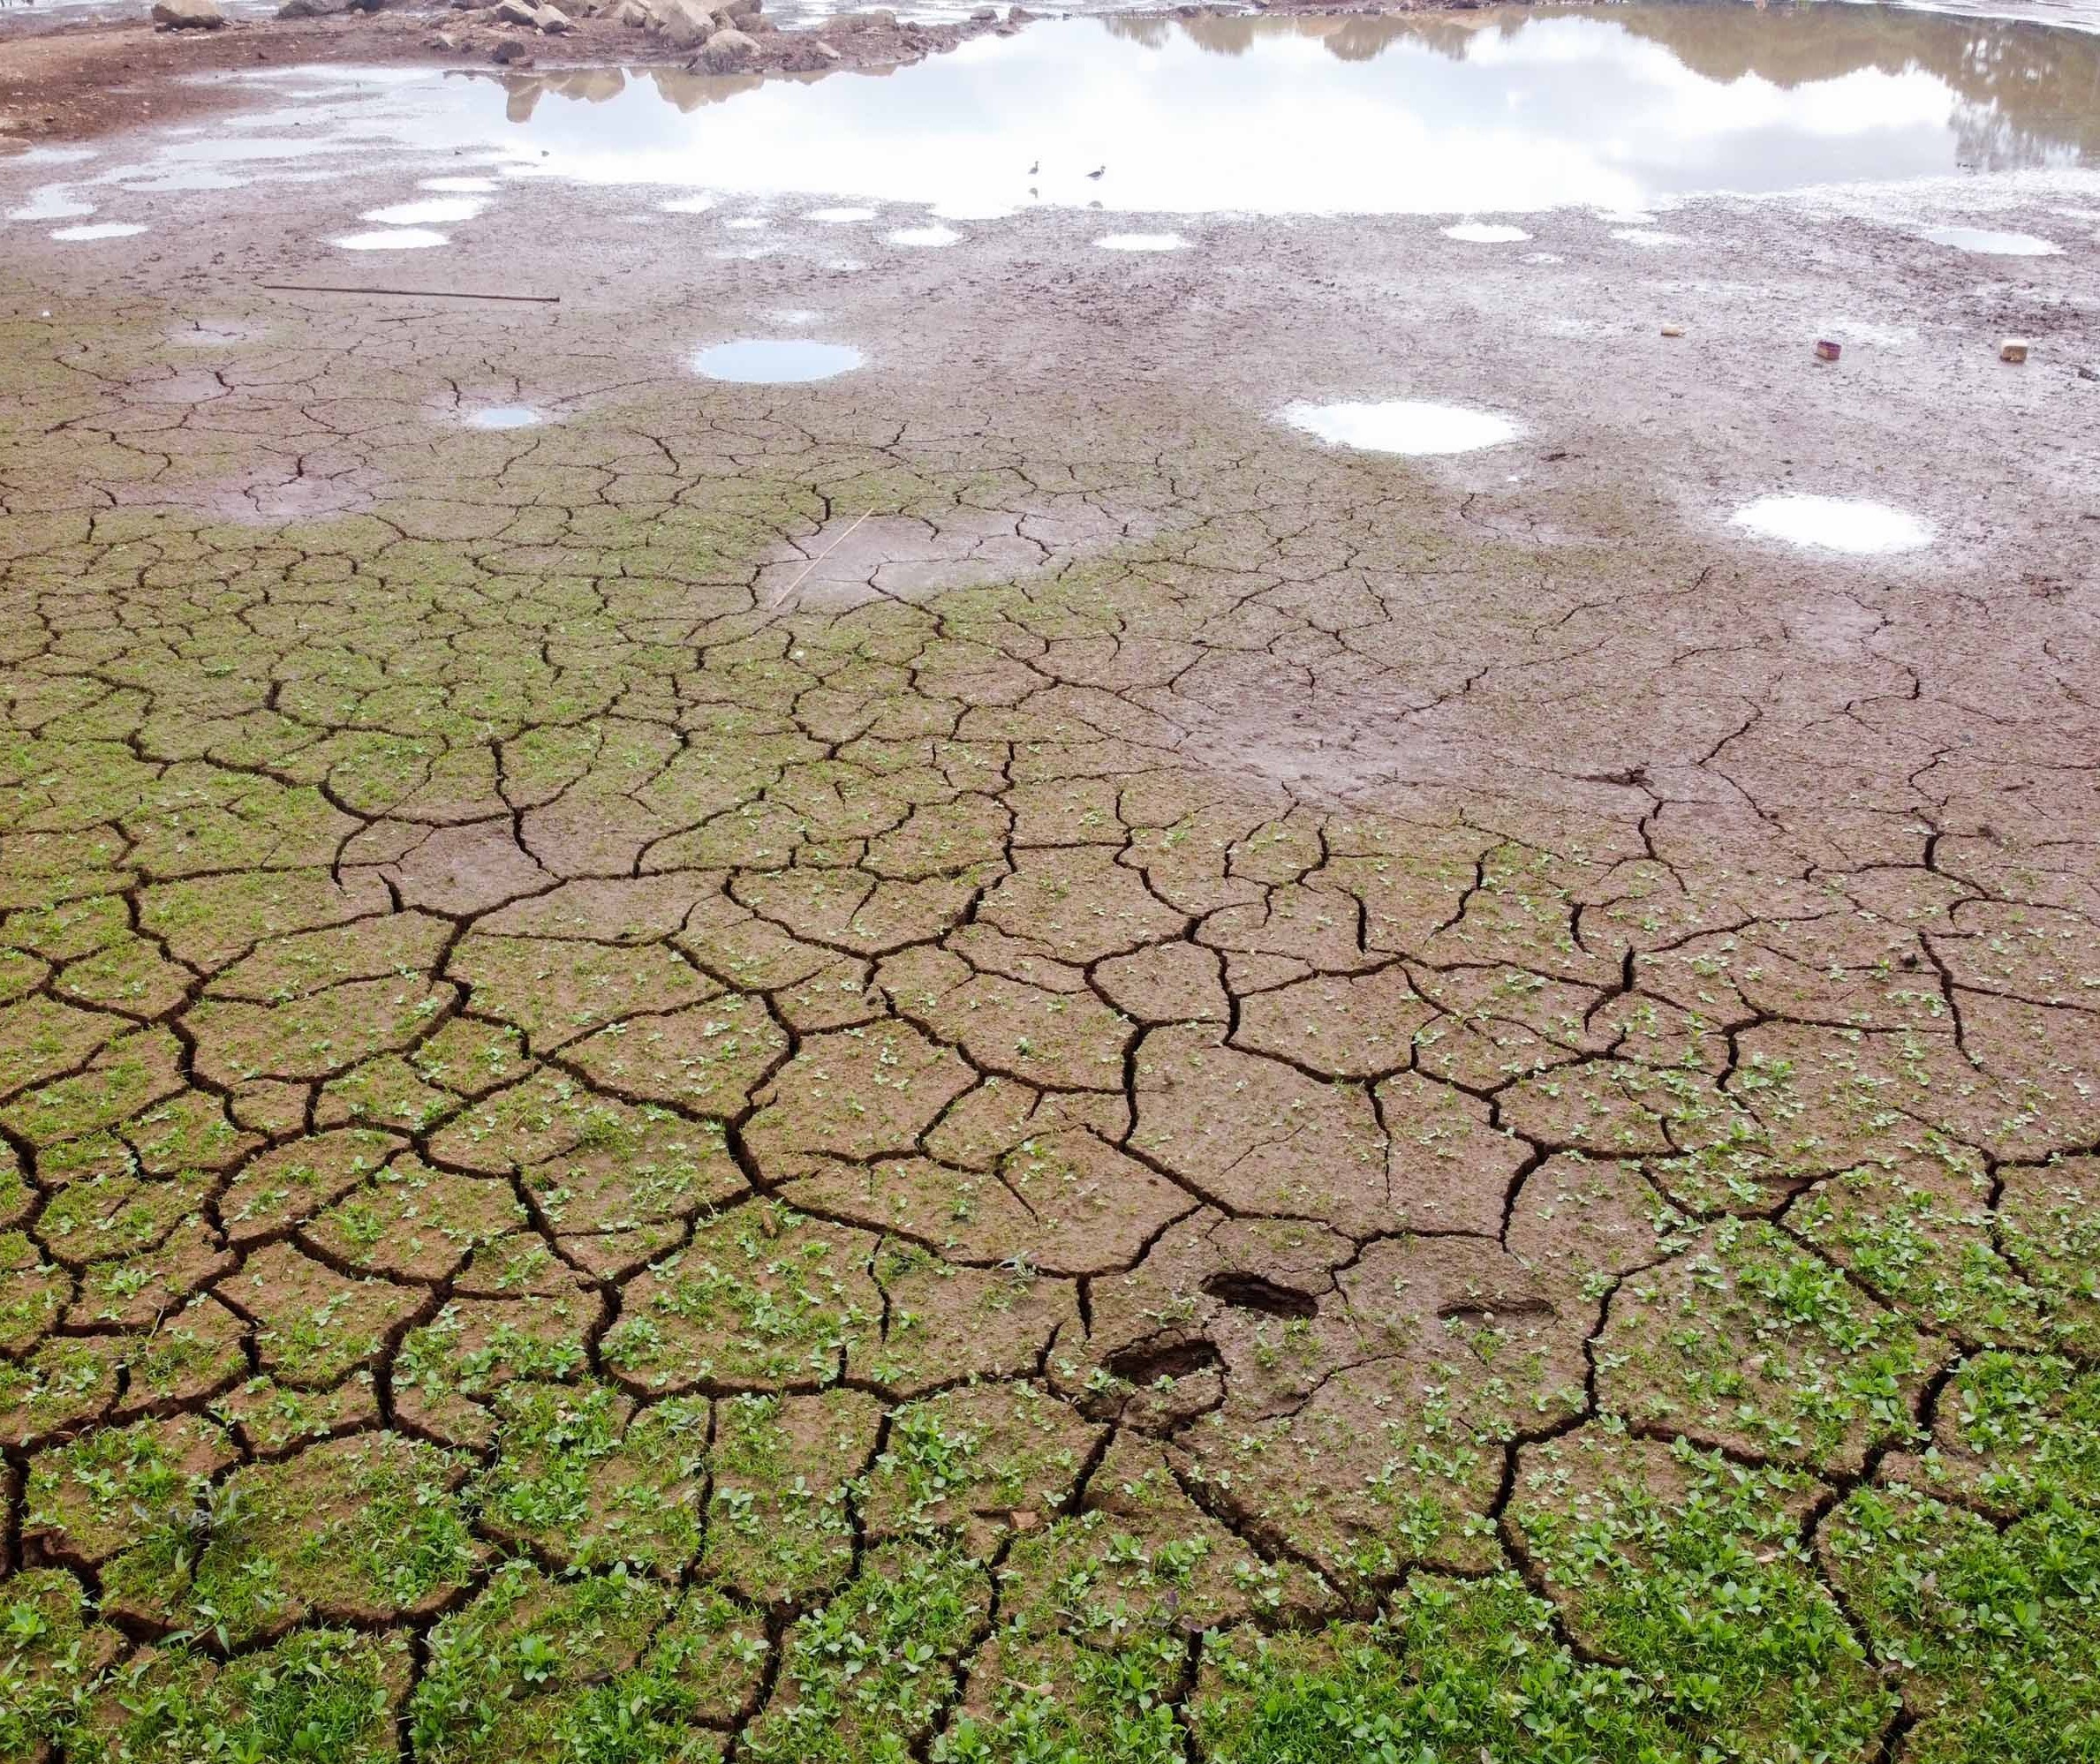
[509, 51]
[728, 48]
[188, 15]
[823, 50]
[686, 23]
[554, 22]
[741, 12]
[631, 15]
[517, 12]
[306, 9]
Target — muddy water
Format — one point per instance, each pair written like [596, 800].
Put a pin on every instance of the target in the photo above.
[1472, 115]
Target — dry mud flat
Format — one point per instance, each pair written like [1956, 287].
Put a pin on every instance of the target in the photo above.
[990, 1059]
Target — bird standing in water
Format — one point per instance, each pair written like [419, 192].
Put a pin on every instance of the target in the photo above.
[1097, 171]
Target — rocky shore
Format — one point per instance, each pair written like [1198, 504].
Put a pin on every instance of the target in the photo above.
[73, 81]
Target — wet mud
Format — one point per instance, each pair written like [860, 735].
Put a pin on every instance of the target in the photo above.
[995, 1052]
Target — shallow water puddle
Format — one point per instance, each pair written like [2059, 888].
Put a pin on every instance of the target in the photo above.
[1847, 524]
[390, 238]
[437, 212]
[1402, 425]
[1492, 113]
[99, 230]
[51, 203]
[775, 361]
[1985, 243]
[505, 416]
[838, 218]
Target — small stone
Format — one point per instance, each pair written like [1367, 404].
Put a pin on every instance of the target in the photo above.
[189, 15]
[1672, 330]
[442, 41]
[2088, 373]
[1827, 350]
[305, 9]
[508, 51]
[825, 52]
[2012, 349]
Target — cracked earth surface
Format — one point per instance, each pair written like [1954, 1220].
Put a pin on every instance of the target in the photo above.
[883, 1070]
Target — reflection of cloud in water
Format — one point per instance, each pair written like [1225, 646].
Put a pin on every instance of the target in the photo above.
[1491, 112]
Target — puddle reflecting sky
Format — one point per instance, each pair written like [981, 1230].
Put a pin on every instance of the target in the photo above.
[1402, 425]
[1847, 524]
[1497, 111]
[769, 361]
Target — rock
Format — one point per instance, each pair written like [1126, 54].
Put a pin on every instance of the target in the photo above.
[554, 22]
[517, 12]
[305, 9]
[881, 19]
[742, 11]
[984, 15]
[824, 51]
[2088, 373]
[685, 24]
[2012, 349]
[728, 48]
[188, 15]
[631, 15]
[509, 51]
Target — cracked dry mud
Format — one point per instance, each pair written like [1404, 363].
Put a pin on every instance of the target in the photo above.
[872, 1071]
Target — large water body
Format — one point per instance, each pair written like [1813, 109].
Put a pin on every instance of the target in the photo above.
[1499, 111]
